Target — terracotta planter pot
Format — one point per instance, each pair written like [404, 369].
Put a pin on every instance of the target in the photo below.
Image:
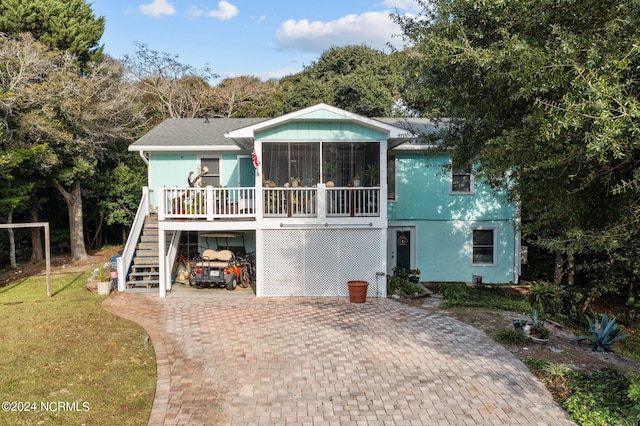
[357, 291]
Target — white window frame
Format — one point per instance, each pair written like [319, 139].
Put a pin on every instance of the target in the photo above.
[453, 173]
[494, 245]
[211, 157]
[395, 177]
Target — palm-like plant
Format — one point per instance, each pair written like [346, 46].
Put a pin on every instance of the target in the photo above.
[604, 333]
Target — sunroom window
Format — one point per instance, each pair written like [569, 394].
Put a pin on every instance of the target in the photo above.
[351, 163]
[343, 163]
[288, 162]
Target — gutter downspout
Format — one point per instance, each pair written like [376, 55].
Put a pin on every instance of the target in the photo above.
[145, 160]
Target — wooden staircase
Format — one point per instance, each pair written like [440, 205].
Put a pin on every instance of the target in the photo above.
[145, 267]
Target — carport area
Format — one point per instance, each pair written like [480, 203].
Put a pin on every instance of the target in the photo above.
[294, 361]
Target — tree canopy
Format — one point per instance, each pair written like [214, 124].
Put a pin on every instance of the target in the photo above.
[63, 25]
[544, 95]
[357, 78]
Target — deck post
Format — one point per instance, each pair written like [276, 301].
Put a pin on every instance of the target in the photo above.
[162, 263]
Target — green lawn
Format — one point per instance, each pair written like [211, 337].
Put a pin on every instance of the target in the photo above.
[66, 361]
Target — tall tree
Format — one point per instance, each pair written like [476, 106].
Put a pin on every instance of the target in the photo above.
[170, 88]
[18, 67]
[357, 78]
[63, 25]
[242, 96]
[77, 115]
[544, 95]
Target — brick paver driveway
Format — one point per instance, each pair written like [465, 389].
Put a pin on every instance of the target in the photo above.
[325, 361]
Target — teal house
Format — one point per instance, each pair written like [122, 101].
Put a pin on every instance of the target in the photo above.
[317, 197]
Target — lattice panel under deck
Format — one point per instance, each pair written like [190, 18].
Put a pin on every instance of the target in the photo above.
[319, 262]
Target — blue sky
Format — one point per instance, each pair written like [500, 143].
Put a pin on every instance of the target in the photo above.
[264, 38]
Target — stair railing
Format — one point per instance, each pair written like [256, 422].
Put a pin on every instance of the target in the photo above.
[172, 253]
[124, 262]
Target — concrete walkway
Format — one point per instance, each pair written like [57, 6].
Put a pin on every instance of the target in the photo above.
[324, 361]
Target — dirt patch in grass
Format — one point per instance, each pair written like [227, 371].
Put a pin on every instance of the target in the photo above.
[561, 348]
[59, 265]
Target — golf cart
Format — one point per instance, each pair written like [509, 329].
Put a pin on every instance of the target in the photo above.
[214, 268]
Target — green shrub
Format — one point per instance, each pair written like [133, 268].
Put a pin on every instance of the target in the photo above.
[401, 284]
[633, 393]
[510, 336]
[557, 373]
[486, 296]
[536, 364]
[599, 398]
[544, 297]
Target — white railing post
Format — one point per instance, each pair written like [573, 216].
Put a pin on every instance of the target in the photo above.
[321, 201]
[161, 203]
[210, 203]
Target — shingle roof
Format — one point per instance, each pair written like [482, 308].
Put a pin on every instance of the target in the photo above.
[413, 125]
[199, 134]
[192, 132]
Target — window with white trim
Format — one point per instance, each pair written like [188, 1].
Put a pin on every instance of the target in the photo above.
[483, 246]
[212, 177]
[461, 181]
[391, 177]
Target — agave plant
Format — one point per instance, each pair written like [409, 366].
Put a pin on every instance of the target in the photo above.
[604, 333]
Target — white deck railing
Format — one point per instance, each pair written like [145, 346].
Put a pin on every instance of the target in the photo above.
[353, 202]
[206, 203]
[290, 202]
[216, 203]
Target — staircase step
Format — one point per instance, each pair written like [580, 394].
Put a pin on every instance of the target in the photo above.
[147, 253]
[148, 262]
[144, 274]
[146, 283]
[145, 268]
[147, 246]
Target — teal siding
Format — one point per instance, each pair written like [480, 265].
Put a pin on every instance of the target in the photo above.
[443, 251]
[423, 192]
[170, 169]
[444, 221]
[320, 130]
[229, 165]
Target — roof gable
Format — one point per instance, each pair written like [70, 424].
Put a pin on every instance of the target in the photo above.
[318, 113]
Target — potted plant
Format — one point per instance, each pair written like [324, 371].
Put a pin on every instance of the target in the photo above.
[539, 333]
[329, 170]
[103, 278]
[356, 180]
[371, 175]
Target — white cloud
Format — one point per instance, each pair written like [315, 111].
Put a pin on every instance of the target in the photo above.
[373, 29]
[411, 5]
[224, 12]
[157, 8]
